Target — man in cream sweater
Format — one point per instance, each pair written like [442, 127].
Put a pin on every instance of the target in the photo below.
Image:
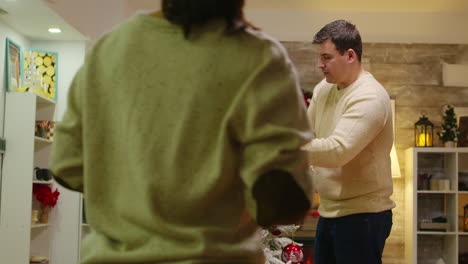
[351, 116]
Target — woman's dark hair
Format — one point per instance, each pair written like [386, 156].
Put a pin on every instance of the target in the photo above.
[343, 34]
[197, 12]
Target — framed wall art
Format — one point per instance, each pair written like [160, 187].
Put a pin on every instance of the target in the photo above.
[40, 73]
[13, 66]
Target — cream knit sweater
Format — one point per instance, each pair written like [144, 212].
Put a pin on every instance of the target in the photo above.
[351, 151]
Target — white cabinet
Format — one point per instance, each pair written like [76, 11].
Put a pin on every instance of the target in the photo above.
[436, 191]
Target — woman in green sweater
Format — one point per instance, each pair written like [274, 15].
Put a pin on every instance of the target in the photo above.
[175, 136]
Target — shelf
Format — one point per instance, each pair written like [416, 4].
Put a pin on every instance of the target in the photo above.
[43, 182]
[40, 226]
[435, 233]
[440, 150]
[462, 150]
[435, 149]
[422, 203]
[42, 140]
[35, 259]
[41, 100]
[438, 192]
[85, 225]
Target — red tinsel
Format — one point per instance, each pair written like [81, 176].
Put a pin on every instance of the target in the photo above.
[313, 213]
[44, 194]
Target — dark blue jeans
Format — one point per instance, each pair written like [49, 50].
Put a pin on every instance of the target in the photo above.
[352, 239]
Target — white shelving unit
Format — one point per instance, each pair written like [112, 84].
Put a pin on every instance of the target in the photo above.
[39, 140]
[41, 238]
[425, 200]
[42, 182]
[25, 151]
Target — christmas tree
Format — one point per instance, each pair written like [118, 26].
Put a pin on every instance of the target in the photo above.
[274, 244]
[449, 128]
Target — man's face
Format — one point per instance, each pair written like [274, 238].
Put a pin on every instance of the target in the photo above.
[333, 65]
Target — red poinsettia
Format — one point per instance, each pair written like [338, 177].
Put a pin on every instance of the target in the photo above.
[307, 97]
[44, 194]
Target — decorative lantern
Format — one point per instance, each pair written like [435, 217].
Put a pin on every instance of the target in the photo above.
[423, 132]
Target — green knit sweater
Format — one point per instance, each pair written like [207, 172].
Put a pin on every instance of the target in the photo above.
[166, 137]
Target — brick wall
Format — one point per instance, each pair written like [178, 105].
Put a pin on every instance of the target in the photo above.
[412, 74]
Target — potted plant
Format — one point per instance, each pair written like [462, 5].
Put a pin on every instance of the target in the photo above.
[47, 198]
[449, 129]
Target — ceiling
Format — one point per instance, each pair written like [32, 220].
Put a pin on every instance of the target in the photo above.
[338, 5]
[450, 6]
[362, 5]
[32, 18]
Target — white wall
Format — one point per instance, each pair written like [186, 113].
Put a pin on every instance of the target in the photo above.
[387, 27]
[7, 32]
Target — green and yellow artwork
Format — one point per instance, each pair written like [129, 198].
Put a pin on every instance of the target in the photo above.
[13, 67]
[40, 73]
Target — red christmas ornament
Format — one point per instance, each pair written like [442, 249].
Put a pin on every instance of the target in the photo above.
[293, 252]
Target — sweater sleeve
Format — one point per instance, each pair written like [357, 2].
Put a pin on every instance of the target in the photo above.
[312, 110]
[270, 123]
[363, 118]
[66, 161]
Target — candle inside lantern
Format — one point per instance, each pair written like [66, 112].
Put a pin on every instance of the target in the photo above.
[424, 140]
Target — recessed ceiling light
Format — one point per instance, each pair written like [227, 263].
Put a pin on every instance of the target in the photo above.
[55, 30]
